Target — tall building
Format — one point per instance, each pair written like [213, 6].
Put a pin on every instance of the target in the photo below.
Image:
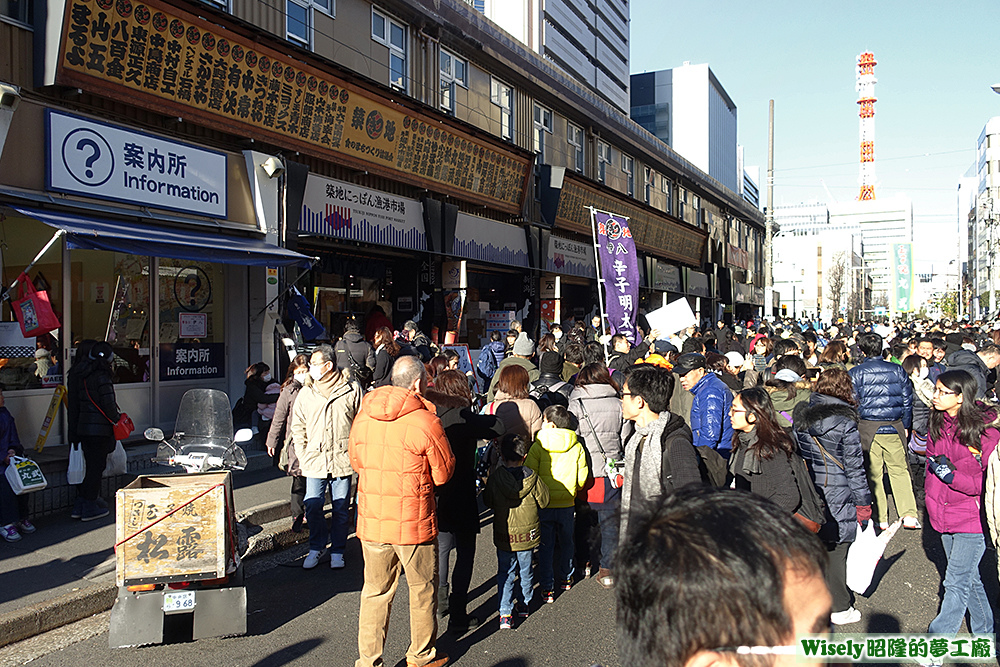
[987, 217]
[587, 39]
[749, 180]
[688, 109]
[882, 222]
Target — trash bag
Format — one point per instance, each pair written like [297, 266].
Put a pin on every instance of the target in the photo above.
[865, 553]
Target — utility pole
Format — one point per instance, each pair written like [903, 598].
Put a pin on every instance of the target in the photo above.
[769, 219]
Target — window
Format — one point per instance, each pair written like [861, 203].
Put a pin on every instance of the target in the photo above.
[574, 135]
[454, 72]
[390, 32]
[502, 95]
[18, 10]
[299, 18]
[665, 189]
[542, 127]
[628, 167]
[603, 160]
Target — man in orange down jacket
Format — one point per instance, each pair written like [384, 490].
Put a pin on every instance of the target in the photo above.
[400, 452]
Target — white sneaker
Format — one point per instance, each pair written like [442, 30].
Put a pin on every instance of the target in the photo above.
[911, 523]
[883, 525]
[312, 560]
[336, 561]
[846, 617]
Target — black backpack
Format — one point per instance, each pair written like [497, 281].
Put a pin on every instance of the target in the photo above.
[362, 374]
[712, 466]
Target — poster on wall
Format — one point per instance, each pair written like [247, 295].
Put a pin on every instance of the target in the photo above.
[193, 325]
[192, 361]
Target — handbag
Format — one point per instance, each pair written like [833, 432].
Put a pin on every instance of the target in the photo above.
[123, 427]
[812, 507]
[595, 486]
[33, 310]
[117, 462]
[24, 475]
[77, 465]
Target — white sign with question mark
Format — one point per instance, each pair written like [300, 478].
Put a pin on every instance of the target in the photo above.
[95, 159]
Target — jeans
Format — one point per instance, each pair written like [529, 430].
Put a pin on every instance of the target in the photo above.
[464, 545]
[508, 564]
[340, 487]
[557, 526]
[963, 588]
[600, 527]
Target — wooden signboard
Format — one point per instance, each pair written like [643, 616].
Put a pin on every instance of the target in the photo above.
[192, 543]
[160, 57]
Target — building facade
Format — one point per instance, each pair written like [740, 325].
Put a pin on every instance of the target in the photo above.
[987, 216]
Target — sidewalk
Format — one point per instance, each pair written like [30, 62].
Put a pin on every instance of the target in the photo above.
[66, 570]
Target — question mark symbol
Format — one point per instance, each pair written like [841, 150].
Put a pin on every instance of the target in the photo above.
[94, 156]
[196, 279]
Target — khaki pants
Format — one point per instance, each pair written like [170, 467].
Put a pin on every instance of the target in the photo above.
[383, 563]
[888, 451]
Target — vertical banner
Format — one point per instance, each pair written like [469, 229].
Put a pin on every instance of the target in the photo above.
[619, 269]
[902, 277]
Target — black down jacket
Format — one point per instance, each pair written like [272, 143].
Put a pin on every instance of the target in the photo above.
[884, 393]
[85, 418]
[965, 360]
[834, 424]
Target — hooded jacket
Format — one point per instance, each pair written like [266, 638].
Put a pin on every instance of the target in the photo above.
[354, 345]
[966, 360]
[956, 507]
[602, 429]
[515, 495]
[834, 424]
[400, 451]
[321, 427]
[786, 406]
[561, 462]
[710, 422]
[884, 392]
[526, 364]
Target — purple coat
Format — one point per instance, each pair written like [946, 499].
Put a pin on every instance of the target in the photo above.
[955, 507]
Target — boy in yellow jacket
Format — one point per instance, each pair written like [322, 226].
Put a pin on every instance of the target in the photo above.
[561, 462]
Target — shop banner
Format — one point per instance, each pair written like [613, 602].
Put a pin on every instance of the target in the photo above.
[95, 159]
[619, 269]
[697, 284]
[192, 361]
[347, 211]
[902, 277]
[300, 311]
[571, 258]
[490, 241]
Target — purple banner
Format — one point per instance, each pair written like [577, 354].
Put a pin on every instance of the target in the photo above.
[620, 270]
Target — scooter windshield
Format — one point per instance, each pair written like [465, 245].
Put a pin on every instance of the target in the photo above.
[204, 419]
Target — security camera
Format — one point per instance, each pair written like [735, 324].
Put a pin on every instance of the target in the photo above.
[273, 167]
[10, 97]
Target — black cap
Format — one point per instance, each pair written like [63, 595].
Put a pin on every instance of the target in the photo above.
[101, 350]
[551, 362]
[689, 362]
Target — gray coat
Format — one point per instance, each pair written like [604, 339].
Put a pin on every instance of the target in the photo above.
[603, 435]
[279, 436]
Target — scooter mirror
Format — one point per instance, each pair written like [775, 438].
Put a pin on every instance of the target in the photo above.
[153, 434]
[243, 435]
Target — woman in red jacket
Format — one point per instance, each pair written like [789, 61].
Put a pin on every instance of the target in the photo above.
[959, 443]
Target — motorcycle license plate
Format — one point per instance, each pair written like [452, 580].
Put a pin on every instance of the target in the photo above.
[178, 602]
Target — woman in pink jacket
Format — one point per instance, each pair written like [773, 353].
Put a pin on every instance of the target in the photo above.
[959, 443]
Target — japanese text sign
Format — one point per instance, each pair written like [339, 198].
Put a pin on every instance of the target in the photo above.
[902, 277]
[620, 271]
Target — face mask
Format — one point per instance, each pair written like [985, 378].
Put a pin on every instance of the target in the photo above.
[317, 372]
[969, 346]
[924, 372]
[266, 377]
[557, 334]
[301, 377]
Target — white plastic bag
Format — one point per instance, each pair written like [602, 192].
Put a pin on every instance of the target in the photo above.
[117, 462]
[24, 475]
[865, 553]
[77, 466]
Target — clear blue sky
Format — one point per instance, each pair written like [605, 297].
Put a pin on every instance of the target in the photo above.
[936, 63]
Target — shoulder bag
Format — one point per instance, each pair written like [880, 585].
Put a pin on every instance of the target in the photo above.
[123, 427]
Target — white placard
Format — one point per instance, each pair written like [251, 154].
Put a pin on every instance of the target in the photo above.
[96, 159]
[672, 318]
[193, 325]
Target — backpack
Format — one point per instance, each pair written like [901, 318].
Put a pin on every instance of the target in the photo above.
[812, 509]
[712, 466]
[361, 372]
[487, 364]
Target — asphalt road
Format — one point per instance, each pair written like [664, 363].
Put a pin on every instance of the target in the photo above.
[300, 617]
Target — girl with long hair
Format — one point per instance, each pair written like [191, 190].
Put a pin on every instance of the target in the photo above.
[826, 427]
[960, 440]
[759, 461]
[386, 351]
[835, 355]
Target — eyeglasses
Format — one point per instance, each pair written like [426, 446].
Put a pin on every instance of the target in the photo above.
[943, 392]
[733, 411]
[627, 393]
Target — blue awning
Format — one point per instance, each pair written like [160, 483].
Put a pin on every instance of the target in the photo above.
[87, 233]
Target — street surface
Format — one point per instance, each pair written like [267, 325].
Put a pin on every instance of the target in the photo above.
[310, 617]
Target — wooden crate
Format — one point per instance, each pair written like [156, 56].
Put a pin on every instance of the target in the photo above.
[192, 543]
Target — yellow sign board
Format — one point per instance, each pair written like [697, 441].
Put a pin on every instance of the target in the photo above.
[58, 398]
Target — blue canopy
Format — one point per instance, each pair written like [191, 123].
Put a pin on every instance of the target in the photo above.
[134, 238]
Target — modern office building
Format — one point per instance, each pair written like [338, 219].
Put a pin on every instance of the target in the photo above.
[883, 222]
[688, 109]
[588, 39]
[987, 218]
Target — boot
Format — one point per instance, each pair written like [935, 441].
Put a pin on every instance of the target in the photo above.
[443, 600]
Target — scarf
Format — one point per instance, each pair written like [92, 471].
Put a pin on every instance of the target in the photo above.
[750, 459]
[647, 484]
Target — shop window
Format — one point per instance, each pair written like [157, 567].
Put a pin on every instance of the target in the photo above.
[390, 32]
[454, 72]
[29, 363]
[502, 96]
[192, 302]
[110, 301]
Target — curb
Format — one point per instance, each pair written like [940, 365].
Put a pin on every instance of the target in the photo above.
[273, 533]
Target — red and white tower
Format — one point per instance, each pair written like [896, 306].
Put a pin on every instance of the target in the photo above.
[866, 113]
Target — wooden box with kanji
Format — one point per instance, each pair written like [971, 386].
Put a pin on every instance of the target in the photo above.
[174, 528]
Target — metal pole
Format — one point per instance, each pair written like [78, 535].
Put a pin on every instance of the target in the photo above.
[55, 237]
[769, 219]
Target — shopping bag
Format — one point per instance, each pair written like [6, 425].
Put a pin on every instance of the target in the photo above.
[77, 466]
[24, 475]
[117, 462]
[33, 310]
[865, 553]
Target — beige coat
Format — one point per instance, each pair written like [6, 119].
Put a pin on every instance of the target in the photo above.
[321, 428]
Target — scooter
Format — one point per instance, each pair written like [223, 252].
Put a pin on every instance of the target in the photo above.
[177, 550]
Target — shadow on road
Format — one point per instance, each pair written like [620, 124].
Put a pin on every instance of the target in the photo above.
[289, 653]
